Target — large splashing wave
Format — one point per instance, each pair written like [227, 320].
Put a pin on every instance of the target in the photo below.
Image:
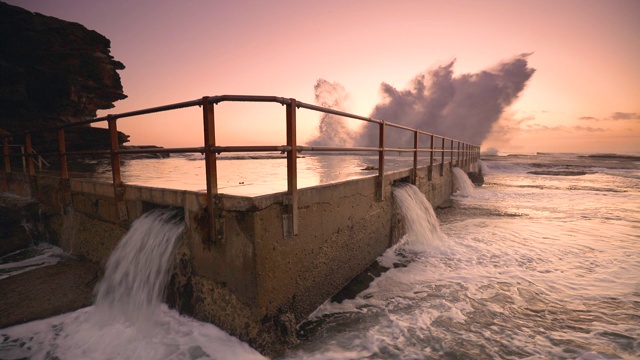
[462, 106]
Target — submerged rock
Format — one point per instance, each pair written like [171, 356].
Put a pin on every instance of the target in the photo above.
[476, 178]
[558, 172]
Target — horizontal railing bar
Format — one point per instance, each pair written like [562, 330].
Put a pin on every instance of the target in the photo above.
[249, 98]
[231, 98]
[420, 150]
[89, 152]
[398, 126]
[161, 151]
[156, 109]
[113, 116]
[235, 149]
[335, 148]
[304, 105]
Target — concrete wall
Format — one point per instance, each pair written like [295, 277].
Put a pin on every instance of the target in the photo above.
[255, 283]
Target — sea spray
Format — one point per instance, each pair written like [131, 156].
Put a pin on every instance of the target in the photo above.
[483, 167]
[136, 272]
[465, 186]
[423, 229]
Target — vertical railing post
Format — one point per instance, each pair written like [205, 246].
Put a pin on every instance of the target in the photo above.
[5, 155]
[118, 186]
[290, 219]
[33, 181]
[213, 205]
[29, 155]
[414, 176]
[381, 161]
[458, 155]
[442, 159]
[62, 152]
[65, 185]
[451, 154]
[433, 148]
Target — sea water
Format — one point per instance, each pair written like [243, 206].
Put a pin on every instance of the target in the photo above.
[534, 267]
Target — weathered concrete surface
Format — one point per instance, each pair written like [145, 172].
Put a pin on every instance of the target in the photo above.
[47, 291]
[255, 283]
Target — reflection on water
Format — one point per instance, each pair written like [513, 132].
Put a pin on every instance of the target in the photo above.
[248, 174]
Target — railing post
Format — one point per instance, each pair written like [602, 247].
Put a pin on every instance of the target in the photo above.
[216, 225]
[458, 152]
[451, 154]
[290, 219]
[414, 176]
[62, 151]
[33, 181]
[381, 162]
[118, 186]
[442, 159]
[5, 155]
[433, 148]
[65, 185]
[29, 155]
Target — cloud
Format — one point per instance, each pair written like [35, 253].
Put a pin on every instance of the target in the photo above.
[539, 128]
[625, 116]
[614, 117]
[588, 129]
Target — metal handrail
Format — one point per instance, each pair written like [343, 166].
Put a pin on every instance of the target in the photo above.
[466, 152]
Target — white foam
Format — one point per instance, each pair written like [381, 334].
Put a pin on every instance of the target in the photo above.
[423, 229]
[463, 183]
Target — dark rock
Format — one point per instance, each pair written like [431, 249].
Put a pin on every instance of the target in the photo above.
[476, 178]
[144, 156]
[558, 172]
[54, 72]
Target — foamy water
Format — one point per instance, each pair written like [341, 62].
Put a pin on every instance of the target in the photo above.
[422, 227]
[463, 184]
[532, 267]
[31, 258]
[128, 320]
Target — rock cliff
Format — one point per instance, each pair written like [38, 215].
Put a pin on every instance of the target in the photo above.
[54, 72]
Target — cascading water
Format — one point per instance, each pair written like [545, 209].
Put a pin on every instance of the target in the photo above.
[423, 229]
[137, 270]
[465, 186]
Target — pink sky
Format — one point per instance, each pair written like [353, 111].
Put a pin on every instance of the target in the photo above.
[584, 96]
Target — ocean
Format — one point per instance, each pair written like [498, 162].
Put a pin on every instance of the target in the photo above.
[542, 262]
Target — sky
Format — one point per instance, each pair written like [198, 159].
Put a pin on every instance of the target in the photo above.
[583, 97]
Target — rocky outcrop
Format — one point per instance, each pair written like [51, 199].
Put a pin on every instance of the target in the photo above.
[53, 72]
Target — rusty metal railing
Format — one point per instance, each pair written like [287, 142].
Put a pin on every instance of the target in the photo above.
[465, 153]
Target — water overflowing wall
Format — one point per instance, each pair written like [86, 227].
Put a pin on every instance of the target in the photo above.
[464, 186]
[255, 283]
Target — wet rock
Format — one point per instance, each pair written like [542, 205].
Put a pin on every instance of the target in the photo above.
[558, 172]
[476, 178]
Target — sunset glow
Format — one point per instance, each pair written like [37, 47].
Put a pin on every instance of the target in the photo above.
[583, 97]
